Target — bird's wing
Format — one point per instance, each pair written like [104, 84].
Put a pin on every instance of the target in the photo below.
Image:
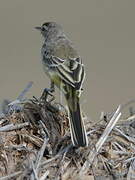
[70, 70]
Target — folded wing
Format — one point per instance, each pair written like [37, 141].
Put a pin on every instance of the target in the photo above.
[70, 70]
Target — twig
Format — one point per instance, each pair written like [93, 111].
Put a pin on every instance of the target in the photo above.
[11, 127]
[131, 172]
[40, 155]
[26, 89]
[44, 175]
[56, 156]
[129, 159]
[101, 141]
[131, 139]
[118, 146]
[34, 175]
[11, 176]
[2, 121]
[19, 147]
[60, 170]
[14, 105]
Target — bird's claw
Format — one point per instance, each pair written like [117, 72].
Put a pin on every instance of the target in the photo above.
[46, 93]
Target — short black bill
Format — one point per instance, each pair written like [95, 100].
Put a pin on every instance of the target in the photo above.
[38, 28]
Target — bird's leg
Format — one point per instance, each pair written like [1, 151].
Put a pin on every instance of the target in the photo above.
[52, 88]
[48, 92]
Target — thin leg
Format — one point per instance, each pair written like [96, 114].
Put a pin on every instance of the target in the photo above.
[48, 92]
[52, 88]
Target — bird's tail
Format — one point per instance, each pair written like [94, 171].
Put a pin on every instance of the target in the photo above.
[78, 132]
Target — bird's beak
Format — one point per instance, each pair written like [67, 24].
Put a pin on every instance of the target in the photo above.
[38, 28]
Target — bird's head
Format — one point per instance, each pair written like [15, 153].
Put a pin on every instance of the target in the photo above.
[50, 30]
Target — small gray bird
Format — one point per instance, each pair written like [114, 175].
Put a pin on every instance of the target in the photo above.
[65, 70]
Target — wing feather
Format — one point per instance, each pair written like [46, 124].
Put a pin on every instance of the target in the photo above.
[70, 70]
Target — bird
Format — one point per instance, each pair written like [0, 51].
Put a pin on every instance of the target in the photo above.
[64, 67]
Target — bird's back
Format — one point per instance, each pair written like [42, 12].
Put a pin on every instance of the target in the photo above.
[65, 49]
[61, 47]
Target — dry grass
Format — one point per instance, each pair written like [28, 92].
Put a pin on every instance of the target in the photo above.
[35, 144]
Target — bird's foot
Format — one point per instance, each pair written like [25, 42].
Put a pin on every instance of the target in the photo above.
[45, 95]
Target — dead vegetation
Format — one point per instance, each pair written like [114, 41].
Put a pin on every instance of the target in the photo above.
[35, 144]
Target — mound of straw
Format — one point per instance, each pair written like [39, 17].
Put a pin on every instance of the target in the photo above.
[35, 144]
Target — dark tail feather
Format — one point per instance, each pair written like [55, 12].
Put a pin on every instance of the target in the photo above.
[78, 132]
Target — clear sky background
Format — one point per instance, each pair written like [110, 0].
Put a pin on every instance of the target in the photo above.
[103, 31]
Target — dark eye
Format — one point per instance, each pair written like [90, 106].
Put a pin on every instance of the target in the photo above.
[43, 29]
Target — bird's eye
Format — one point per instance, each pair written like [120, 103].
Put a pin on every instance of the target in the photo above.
[43, 29]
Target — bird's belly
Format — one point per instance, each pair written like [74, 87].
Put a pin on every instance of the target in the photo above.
[55, 78]
[52, 74]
